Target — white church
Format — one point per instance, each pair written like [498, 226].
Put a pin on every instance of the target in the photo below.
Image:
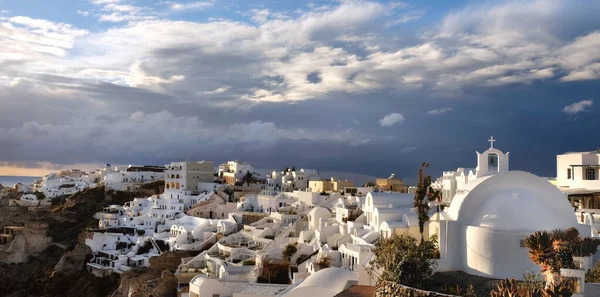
[491, 211]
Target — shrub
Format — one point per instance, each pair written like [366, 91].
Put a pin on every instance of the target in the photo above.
[141, 232]
[354, 215]
[402, 259]
[289, 251]
[458, 291]
[162, 245]
[274, 273]
[564, 287]
[593, 275]
[324, 262]
[121, 245]
[145, 247]
[533, 282]
[508, 288]
[585, 247]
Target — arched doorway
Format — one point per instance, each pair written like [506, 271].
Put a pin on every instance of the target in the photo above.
[493, 162]
[210, 214]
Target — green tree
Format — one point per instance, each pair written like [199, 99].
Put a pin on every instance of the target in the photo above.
[423, 195]
[402, 259]
[289, 252]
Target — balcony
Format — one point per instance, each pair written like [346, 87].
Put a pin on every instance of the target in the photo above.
[584, 184]
[358, 248]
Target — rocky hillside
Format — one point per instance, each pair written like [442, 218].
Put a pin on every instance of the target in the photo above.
[60, 269]
[157, 280]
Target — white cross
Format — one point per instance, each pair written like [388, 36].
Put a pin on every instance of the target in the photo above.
[491, 140]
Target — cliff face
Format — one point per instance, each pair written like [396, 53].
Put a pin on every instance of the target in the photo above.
[157, 280]
[31, 242]
[53, 261]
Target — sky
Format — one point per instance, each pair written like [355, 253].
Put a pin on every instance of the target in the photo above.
[366, 87]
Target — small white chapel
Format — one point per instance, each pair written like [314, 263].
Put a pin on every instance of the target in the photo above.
[482, 232]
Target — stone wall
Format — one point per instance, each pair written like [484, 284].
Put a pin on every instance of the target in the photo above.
[387, 289]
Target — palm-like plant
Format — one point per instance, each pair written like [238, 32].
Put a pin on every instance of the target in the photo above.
[248, 178]
[543, 253]
[555, 250]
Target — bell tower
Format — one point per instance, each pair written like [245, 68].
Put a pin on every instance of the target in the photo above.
[491, 161]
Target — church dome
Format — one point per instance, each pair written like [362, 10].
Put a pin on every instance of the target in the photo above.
[513, 200]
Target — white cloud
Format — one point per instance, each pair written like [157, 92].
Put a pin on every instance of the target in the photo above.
[260, 16]
[408, 149]
[440, 110]
[219, 90]
[113, 11]
[360, 142]
[391, 119]
[191, 5]
[582, 58]
[578, 107]
[100, 2]
[271, 61]
[139, 78]
[407, 17]
[83, 13]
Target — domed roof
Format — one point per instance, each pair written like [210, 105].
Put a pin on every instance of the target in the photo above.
[199, 279]
[332, 279]
[513, 200]
[319, 209]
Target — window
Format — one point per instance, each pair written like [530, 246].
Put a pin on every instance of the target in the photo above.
[569, 173]
[590, 174]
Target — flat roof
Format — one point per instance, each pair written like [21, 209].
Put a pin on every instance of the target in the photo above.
[137, 258]
[262, 289]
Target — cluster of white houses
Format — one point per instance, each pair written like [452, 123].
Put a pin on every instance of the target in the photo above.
[243, 228]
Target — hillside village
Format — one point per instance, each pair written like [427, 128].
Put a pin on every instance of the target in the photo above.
[296, 233]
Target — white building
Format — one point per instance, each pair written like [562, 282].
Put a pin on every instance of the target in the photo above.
[187, 175]
[291, 180]
[483, 230]
[266, 201]
[54, 184]
[124, 179]
[578, 171]
[233, 171]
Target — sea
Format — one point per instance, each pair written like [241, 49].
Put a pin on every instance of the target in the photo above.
[10, 181]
